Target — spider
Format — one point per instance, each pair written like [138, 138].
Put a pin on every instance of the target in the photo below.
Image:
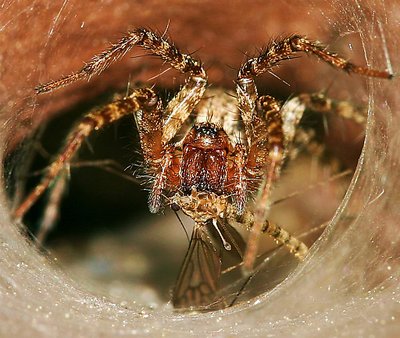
[232, 152]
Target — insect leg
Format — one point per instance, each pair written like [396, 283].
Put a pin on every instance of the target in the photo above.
[282, 236]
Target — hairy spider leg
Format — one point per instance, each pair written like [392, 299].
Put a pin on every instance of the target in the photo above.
[52, 209]
[291, 113]
[266, 153]
[320, 103]
[180, 106]
[305, 138]
[281, 50]
[154, 132]
[142, 37]
[276, 52]
[140, 100]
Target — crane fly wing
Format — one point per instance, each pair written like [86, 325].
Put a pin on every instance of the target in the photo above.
[231, 235]
[197, 284]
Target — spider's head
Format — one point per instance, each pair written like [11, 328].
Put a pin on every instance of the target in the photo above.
[207, 136]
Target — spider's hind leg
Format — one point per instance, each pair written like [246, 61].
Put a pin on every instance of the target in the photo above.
[310, 138]
[320, 103]
[52, 210]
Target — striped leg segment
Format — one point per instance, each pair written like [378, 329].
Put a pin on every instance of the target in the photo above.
[180, 106]
[296, 247]
[142, 37]
[140, 99]
[265, 157]
[276, 52]
[283, 237]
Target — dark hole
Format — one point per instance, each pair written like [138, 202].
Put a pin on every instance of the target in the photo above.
[100, 204]
[97, 204]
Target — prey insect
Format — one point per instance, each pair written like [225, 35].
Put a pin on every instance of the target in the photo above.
[222, 171]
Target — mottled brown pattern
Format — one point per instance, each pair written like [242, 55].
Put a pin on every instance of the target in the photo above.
[139, 37]
[271, 155]
[205, 174]
[286, 49]
[92, 121]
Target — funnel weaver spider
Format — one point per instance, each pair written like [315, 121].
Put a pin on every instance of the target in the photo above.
[222, 160]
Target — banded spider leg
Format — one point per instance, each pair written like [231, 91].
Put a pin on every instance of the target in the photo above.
[155, 132]
[273, 147]
[206, 174]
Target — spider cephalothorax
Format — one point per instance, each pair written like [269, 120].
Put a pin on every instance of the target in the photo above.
[208, 175]
[205, 152]
[206, 161]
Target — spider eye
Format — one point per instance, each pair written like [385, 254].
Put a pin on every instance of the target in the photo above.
[206, 130]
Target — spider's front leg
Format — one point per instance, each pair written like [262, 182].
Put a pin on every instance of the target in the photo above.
[141, 37]
[157, 131]
[180, 106]
[272, 147]
[141, 100]
[267, 143]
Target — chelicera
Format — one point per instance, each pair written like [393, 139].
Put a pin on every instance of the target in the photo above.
[226, 158]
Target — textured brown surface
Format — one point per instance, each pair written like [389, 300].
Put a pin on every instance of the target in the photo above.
[58, 39]
[350, 284]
